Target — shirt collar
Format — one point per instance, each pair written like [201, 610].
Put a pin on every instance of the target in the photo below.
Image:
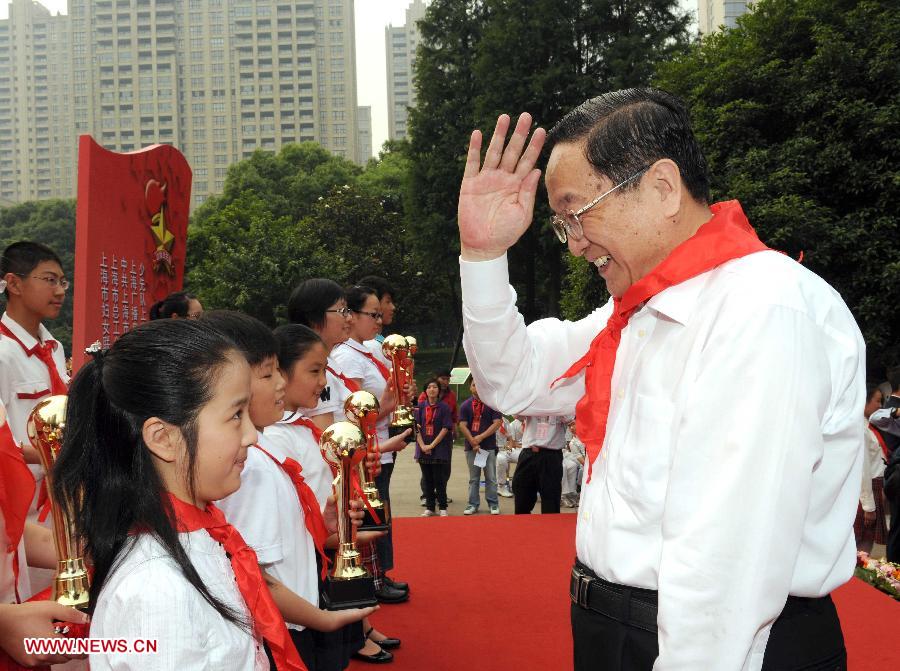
[24, 336]
[679, 301]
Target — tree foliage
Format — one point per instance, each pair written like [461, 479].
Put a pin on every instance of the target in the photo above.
[798, 111]
[51, 222]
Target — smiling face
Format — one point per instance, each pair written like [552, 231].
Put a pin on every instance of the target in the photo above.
[625, 234]
[224, 432]
[336, 327]
[306, 378]
[36, 294]
[365, 326]
[432, 391]
[266, 393]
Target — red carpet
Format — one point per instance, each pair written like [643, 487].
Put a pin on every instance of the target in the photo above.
[490, 593]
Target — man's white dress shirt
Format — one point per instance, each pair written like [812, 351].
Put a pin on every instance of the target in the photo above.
[147, 597]
[730, 471]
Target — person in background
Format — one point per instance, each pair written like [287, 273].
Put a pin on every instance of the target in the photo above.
[573, 462]
[386, 294]
[884, 420]
[539, 470]
[509, 454]
[869, 526]
[479, 425]
[178, 305]
[448, 397]
[433, 447]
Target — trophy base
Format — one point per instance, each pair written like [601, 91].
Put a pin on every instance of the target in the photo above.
[397, 430]
[344, 594]
[369, 524]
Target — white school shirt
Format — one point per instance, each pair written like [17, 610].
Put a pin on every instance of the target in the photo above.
[546, 431]
[148, 597]
[730, 471]
[298, 443]
[333, 395]
[24, 380]
[357, 366]
[266, 510]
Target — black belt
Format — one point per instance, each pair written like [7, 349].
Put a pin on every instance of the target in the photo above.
[628, 605]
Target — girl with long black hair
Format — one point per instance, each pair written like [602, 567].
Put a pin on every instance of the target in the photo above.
[158, 428]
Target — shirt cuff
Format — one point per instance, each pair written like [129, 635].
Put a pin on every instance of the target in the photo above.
[484, 283]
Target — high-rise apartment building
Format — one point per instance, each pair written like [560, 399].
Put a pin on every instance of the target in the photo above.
[216, 78]
[37, 149]
[363, 134]
[712, 14]
[400, 47]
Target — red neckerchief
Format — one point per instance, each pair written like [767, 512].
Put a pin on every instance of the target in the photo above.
[312, 514]
[429, 419]
[16, 492]
[477, 409]
[880, 439]
[349, 383]
[300, 420]
[44, 352]
[728, 235]
[267, 620]
[384, 370]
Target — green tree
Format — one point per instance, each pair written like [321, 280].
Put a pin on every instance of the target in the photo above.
[51, 222]
[798, 111]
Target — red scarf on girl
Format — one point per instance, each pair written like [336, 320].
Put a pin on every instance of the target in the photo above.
[349, 383]
[267, 620]
[728, 235]
[384, 370]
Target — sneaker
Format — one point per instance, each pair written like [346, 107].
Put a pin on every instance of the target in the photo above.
[449, 500]
[505, 492]
[427, 513]
[470, 510]
[422, 501]
[443, 513]
[495, 510]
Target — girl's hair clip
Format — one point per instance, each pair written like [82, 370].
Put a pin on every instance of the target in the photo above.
[94, 350]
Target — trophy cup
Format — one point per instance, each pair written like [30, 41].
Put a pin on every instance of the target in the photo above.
[361, 408]
[349, 585]
[71, 586]
[396, 348]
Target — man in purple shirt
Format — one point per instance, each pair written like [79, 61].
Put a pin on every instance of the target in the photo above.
[478, 423]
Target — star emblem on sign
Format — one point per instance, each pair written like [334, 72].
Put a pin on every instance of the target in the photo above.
[163, 238]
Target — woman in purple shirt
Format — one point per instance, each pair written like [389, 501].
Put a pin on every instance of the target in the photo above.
[433, 444]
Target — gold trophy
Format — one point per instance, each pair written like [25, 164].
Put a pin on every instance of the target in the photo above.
[396, 348]
[349, 585]
[71, 586]
[361, 408]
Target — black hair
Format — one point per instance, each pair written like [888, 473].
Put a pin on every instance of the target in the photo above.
[893, 377]
[254, 339]
[294, 341]
[871, 388]
[178, 303]
[310, 299]
[358, 295]
[379, 284]
[446, 372]
[626, 131]
[20, 258]
[105, 473]
[428, 382]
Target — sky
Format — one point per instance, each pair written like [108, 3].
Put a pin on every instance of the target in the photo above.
[372, 16]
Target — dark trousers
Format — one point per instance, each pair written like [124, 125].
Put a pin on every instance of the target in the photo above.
[538, 472]
[435, 485]
[806, 636]
[384, 546]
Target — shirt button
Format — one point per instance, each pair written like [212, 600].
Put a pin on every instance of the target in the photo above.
[641, 333]
[620, 394]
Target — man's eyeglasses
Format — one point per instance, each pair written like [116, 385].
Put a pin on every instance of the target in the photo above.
[52, 280]
[569, 225]
[343, 312]
[377, 316]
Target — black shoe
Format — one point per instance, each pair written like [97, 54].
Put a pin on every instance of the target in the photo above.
[390, 582]
[380, 657]
[386, 643]
[388, 594]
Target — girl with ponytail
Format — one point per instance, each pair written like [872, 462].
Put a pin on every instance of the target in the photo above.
[158, 428]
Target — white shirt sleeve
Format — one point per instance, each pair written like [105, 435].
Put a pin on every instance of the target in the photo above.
[881, 419]
[739, 488]
[515, 365]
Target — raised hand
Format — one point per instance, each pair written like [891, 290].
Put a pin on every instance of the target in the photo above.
[496, 200]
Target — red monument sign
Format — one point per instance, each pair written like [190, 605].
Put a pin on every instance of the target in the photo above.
[130, 235]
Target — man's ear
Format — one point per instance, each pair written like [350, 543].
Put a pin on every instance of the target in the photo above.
[13, 284]
[665, 180]
[162, 439]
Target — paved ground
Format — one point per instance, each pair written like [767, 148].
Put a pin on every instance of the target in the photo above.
[405, 490]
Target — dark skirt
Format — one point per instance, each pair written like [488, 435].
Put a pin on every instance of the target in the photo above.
[877, 533]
